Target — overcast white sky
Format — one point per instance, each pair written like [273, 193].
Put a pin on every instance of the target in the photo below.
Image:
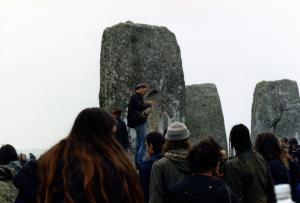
[50, 52]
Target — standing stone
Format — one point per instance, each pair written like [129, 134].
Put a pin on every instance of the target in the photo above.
[276, 109]
[204, 116]
[134, 53]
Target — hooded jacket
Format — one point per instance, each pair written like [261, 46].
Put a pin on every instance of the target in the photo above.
[166, 172]
[199, 188]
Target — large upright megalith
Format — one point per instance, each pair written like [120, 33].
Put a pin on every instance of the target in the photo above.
[204, 116]
[134, 53]
[276, 108]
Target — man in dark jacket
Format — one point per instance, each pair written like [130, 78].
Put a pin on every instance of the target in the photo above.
[137, 119]
[247, 173]
[154, 143]
[203, 161]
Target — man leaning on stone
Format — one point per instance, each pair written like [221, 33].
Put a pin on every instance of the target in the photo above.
[137, 119]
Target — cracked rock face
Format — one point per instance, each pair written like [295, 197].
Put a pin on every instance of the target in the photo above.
[134, 53]
[276, 108]
[204, 116]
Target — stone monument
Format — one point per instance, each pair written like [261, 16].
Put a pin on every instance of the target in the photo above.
[204, 116]
[276, 109]
[134, 53]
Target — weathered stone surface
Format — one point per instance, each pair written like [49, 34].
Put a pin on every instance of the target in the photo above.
[134, 53]
[276, 108]
[204, 116]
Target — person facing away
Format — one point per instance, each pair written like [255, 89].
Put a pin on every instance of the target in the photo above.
[283, 170]
[154, 143]
[121, 133]
[247, 173]
[87, 166]
[137, 119]
[268, 145]
[203, 160]
[8, 161]
[173, 166]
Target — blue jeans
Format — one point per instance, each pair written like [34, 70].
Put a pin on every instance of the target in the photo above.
[140, 144]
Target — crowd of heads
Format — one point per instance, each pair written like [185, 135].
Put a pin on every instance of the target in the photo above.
[9, 154]
[92, 146]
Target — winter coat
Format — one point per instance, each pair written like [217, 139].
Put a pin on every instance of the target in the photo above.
[249, 178]
[199, 188]
[145, 172]
[135, 107]
[27, 182]
[167, 171]
[8, 192]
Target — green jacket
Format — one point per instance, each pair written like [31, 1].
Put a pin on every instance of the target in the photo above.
[248, 176]
[8, 191]
[166, 172]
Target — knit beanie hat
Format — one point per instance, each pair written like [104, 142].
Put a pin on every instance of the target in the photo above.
[177, 131]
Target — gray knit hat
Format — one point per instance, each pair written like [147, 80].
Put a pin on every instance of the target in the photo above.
[177, 131]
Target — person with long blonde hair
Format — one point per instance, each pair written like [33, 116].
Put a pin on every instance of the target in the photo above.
[87, 166]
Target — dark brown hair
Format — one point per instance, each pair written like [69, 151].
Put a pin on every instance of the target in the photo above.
[89, 142]
[178, 144]
[267, 144]
[204, 156]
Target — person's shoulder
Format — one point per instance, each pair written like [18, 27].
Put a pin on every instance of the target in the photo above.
[135, 95]
[220, 184]
[161, 161]
[233, 161]
[147, 164]
[27, 174]
[8, 192]
[276, 163]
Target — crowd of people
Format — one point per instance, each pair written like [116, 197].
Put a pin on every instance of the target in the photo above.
[92, 164]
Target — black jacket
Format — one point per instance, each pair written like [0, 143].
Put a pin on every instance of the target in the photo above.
[199, 188]
[249, 178]
[135, 107]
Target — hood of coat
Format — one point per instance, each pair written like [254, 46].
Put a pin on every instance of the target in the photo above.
[178, 158]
